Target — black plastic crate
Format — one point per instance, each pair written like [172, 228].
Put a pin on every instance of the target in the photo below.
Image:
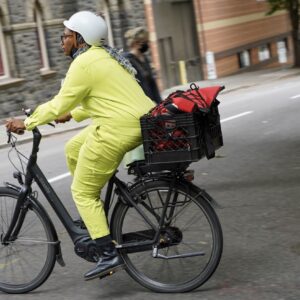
[172, 139]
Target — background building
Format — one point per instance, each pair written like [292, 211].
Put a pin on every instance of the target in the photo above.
[190, 40]
[214, 38]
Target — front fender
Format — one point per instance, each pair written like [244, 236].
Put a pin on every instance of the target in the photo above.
[39, 207]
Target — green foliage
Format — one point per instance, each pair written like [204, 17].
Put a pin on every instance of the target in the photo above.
[282, 4]
[293, 8]
[277, 5]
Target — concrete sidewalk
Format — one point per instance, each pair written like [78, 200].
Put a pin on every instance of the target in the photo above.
[243, 80]
[231, 83]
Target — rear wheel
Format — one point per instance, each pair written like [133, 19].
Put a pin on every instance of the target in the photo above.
[28, 259]
[190, 246]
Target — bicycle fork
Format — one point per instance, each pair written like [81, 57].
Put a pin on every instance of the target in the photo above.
[20, 209]
[18, 217]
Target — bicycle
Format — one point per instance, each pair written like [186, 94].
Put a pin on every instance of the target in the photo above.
[166, 228]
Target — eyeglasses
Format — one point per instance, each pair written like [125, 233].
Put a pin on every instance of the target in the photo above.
[63, 37]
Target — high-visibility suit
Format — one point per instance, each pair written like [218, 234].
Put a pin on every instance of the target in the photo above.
[111, 97]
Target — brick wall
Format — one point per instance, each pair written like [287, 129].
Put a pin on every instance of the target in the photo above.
[229, 27]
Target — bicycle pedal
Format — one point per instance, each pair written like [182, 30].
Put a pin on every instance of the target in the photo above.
[111, 272]
[107, 274]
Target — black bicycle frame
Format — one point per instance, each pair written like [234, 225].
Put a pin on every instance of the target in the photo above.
[33, 172]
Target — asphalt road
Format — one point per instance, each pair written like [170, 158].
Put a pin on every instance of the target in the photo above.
[255, 178]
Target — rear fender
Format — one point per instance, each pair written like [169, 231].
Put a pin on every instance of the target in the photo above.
[202, 193]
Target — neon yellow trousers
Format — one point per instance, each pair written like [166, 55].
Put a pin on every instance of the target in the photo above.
[93, 155]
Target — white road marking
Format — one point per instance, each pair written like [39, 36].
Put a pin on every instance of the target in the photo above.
[57, 178]
[294, 97]
[237, 116]
[62, 176]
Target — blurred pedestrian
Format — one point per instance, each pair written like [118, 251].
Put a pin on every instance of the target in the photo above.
[138, 44]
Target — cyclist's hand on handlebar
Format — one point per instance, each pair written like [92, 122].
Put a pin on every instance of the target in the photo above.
[64, 118]
[15, 125]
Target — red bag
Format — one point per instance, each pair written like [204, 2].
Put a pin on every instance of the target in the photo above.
[192, 100]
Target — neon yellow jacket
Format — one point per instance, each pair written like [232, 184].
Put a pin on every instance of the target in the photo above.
[105, 91]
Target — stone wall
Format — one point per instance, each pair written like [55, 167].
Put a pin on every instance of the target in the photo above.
[20, 32]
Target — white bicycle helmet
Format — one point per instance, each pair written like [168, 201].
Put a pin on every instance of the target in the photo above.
[92, 27]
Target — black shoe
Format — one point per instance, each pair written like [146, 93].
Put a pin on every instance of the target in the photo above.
[79, 223]
[109, 263]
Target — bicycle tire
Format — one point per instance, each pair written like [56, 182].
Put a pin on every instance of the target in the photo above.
[171, 275]
[28, 261]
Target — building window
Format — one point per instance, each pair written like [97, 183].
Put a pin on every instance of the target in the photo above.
[284, 43]
[264, 53]
[282, 49]
[41, 39]
[4, 66]
[244, 59]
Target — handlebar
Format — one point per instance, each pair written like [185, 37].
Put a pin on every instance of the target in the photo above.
[36, 141]
[36, 137]
[33, 155]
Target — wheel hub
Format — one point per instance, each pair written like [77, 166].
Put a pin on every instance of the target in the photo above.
[170, 236]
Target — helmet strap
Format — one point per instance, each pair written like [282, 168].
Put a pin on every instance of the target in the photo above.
[75, 46]
[75, 40]
[79, 46]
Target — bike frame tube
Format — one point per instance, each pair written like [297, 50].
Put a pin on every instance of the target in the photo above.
[34, 172]
[74, 231]
[126, 197]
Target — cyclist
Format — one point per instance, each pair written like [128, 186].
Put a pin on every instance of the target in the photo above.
[100, 85]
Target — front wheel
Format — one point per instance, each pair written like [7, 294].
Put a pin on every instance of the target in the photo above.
[28, 258]
[190, 242]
